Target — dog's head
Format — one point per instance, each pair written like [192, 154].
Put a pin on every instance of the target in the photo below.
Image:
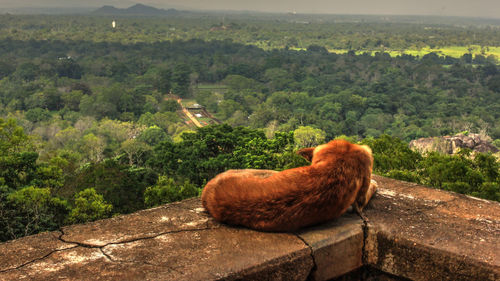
[332, 150]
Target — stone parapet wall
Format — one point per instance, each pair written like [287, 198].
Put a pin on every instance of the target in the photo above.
[407, 232]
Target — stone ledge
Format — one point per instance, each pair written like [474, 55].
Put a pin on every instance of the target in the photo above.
[337, 246]
[428, 234]
[409, 231]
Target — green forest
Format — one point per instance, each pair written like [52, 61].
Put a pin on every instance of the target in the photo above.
[90, 127]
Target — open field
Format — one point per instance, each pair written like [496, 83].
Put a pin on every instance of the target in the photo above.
[452, 51]
[214, 88]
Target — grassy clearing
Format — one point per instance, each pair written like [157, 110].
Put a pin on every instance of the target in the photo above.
[204, 119]
[452, 51]
[211, 86]
[218, 89]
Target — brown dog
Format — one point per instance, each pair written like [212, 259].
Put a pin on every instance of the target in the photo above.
[339, 176]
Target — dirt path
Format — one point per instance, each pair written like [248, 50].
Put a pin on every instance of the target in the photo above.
[189, 115]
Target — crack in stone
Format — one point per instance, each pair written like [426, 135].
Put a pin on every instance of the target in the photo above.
[314, 268]
[101, 248]
[86, 245]
[157, 235]
[364, 254]
[38, 259]
[106, 255]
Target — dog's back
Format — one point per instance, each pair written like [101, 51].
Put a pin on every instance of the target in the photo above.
[285, 201]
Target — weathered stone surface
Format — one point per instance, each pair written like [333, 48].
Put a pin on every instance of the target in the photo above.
[409, 231]
[227, 253]
[14, 254]
[427, 234]
[223, 253]
[175, 242]
[73, 264]
[337, 246]
[185, 215]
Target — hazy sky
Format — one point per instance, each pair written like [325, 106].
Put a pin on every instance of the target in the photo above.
[473, 8]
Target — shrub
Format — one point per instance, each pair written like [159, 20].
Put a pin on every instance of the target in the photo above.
[167, 191]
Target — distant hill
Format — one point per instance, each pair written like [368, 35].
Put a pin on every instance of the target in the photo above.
[137, 9]
[108, 10]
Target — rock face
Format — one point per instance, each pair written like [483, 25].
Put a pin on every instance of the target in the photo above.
[452, 144]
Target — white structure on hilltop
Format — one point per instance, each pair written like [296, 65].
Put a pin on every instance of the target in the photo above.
[113, 24]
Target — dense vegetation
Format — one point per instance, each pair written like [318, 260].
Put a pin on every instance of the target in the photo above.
[268, 31]
[477, 176]
[341, 94]
[43, 195]
[88, 127]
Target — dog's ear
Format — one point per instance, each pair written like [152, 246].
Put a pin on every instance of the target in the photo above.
[307, 153]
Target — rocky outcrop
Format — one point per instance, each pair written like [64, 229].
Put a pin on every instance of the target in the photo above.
[453, 144]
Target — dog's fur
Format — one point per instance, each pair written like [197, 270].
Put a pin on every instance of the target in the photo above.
[338, 177]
